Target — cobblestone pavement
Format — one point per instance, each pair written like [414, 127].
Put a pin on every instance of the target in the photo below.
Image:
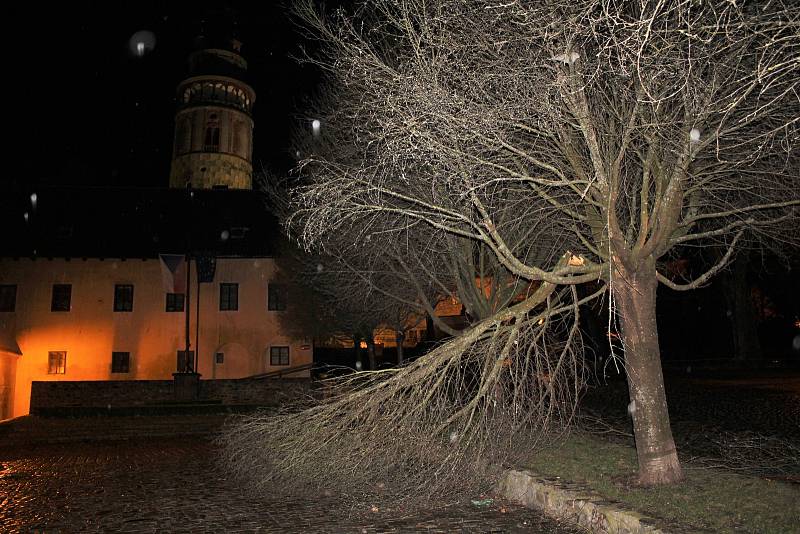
[175, 486]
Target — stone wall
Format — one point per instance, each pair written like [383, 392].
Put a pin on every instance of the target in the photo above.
[254, 391]
[54, 396]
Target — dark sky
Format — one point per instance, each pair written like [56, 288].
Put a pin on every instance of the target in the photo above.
[88, 112]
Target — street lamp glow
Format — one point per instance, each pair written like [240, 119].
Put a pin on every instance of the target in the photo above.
[315, 126]
[142, 42]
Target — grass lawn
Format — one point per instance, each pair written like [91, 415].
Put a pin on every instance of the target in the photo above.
[708, 499]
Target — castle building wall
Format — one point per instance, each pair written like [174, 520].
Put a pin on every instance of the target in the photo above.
[91, 330]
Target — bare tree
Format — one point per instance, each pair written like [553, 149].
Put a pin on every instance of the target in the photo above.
[575, 142]
[349, 297]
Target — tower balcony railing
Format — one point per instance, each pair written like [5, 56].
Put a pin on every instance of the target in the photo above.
[215, 92]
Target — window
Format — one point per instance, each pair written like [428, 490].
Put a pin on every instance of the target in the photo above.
[276, 297]
[62, 298]
[219, 357]
[57, 362]
[174, 302]
[120, 362]
[211, 142]
[279, 355]
[8, 298]
[123, 298]
[229, 297]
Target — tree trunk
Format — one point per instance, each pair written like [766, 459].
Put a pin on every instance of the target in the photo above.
[399, 338]
[357, 351]
[371, 354]
[746, 346]
[430, 329]
[635, 295]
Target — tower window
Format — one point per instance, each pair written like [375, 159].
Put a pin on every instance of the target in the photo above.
[211, 143]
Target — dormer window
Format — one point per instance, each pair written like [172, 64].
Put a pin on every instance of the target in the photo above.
[238, 232]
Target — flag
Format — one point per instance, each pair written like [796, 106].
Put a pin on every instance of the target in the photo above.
[173, 272]
[8, 341]
[206, 266]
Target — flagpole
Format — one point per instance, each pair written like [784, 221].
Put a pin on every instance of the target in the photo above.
[187, 364]
[197, 323]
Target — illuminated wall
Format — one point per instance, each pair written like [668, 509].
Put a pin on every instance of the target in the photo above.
[8, 371]
[91, 330]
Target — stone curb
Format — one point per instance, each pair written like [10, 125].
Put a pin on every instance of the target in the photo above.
[573, 502]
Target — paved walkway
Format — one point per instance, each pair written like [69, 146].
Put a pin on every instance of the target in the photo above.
[172, 485]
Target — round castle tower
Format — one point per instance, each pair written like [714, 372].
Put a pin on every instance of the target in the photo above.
[213, 124]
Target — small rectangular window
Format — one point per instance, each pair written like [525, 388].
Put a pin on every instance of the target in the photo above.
[62, 298]
[279, 355]
[120, 362]
[220, 358]
[8, 297]
[174, 302]
[123, 298]
[57, 362]
[276, 297]
[229, 297]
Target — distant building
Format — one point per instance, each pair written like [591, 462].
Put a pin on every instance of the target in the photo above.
[86, 289]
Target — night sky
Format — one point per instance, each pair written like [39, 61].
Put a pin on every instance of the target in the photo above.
[89, 112]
